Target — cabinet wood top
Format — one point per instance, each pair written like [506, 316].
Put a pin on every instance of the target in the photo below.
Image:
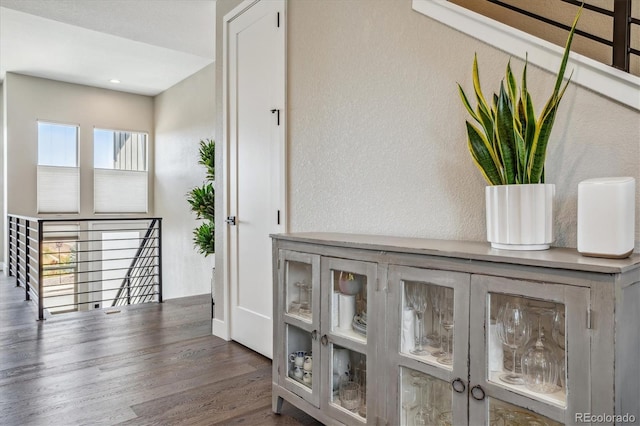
[561, 258]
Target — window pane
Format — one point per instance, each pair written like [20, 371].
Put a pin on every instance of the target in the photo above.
[57, 145]
[120, 150]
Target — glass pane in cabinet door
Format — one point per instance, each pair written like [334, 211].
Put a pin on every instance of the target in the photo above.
[349, 381]
[503, 414]
[298, 289]
[424, 399]
[349, 305]
[526, 346]
[427, 322]
[299, 356]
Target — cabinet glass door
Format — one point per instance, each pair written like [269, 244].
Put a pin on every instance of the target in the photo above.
[299, 297]
[502, 413]
[424, 399]
[428, 325]
[525, 332]
[347, 399]
[351, 304]
[300, 350]
[301, 286]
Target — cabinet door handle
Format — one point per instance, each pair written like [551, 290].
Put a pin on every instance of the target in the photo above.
[477, 393]
[458, 385]
[324, 340]
[314, 335]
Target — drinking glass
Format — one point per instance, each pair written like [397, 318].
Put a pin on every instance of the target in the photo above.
[417, 298]
[540, 366]
[349, 394]
[425, 412]
[447, 324]
[514, 331]
[409, 399]
[438, 300]
[433, 337]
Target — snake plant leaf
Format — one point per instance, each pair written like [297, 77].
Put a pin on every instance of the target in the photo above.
[505, 136]
[467, 104]
[482, 103]
[483, 155]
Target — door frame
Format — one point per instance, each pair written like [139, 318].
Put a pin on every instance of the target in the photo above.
[221, 327]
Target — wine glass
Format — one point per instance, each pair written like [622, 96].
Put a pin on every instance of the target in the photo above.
[540, 366]
[447, 324]
[409, 399]
[514, 331]
[434, 295]
[417, 297]
[425, 411]
[438, 301]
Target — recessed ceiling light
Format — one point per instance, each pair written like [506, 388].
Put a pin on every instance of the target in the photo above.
[114, 81]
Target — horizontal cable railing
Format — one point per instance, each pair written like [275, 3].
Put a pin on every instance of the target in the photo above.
[75, 264]
[614, 20]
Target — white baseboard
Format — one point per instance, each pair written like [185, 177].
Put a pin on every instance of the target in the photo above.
[1, 266]
[220, 329]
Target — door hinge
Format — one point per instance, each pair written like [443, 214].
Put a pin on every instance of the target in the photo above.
[278, 20]
[277, 112]
[278, 219]
[589, 325]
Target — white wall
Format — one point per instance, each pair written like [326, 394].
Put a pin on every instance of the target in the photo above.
[184, 114]
[376, 130]
[29, 99]
[3, 209]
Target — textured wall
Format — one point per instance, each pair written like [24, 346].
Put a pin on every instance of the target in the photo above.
[184, 114]
[376, 129]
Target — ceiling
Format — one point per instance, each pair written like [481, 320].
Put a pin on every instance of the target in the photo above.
[149, 45]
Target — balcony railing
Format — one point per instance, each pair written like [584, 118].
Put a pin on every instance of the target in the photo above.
[82, 264]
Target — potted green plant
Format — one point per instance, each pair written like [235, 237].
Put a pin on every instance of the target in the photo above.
[508, 143]
[201, 199]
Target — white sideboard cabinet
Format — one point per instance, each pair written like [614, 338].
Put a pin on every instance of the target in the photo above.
[406, 331]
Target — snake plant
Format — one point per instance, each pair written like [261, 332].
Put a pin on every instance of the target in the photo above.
[509, 144]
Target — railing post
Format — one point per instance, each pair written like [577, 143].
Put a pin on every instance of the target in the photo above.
[40, 278]
[10, 257]
[18, 252]
[160, 260]
[27, 283]
[128, 290]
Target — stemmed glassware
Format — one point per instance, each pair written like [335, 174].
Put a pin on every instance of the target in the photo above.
[558, 334]
[446, 311]
[438, 295]
[409, 400]
[425, 412]
[514, 332]
[433, 291]
[417, 298]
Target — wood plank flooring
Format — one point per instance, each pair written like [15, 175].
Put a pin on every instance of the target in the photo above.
[151, 364]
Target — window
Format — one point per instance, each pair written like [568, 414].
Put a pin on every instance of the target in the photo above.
[120, 171]
[58, 178]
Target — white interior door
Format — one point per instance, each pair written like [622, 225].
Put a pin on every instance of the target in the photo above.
[256, 167]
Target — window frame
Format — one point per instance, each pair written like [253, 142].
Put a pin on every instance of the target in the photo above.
[591, 74]
[97, 209]
[40, 168]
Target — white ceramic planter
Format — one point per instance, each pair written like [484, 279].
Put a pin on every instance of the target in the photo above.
[520, 217]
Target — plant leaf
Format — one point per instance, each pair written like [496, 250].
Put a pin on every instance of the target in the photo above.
[505, 136]
[483, 155]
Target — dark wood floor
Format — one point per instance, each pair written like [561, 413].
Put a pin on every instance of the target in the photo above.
[152, 364]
